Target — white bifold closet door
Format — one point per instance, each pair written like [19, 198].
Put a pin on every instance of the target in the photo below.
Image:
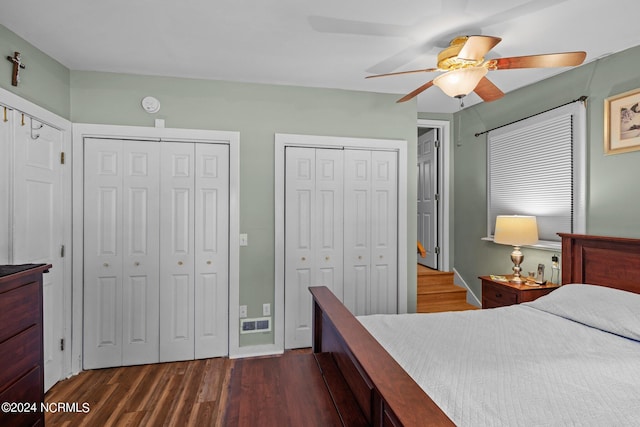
[155, 237]
[371, 232]
[340, 232]
[313, 238]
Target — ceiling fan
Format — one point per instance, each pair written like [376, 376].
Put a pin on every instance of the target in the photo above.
[465, 67]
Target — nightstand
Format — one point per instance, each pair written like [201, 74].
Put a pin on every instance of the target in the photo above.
[497, 293]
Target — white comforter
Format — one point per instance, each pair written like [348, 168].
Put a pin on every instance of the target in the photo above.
[570, 358]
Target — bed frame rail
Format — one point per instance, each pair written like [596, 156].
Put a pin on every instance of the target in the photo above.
[386, 394]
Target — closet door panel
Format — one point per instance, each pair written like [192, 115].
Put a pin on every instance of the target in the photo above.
[384, 233]
[357, 230]
[329, 221]
[103, 254]
[177, 252]
[211, 250]
[300, 238]
[314, 254]
[141, 241]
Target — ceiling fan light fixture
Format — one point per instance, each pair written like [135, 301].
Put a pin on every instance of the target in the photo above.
[459, 83]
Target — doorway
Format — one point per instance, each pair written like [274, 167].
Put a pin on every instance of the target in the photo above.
[433, 192]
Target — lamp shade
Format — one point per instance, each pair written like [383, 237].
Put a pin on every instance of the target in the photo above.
[516, 230]
[460, 82]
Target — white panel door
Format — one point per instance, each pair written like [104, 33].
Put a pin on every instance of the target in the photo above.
[211, 250]
[384, 233]
[357, 236]
[371, 232]
[141, 241]
[177, 262]
[121, 253]
[427, 203]
[313, 248]
[6, 146]
[102, 254]
[38, 231]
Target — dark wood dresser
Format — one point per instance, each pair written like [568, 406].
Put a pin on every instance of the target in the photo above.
[21, 345]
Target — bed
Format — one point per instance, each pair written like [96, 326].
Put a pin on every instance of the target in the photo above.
[570, 358]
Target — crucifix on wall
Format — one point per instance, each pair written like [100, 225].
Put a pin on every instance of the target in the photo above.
[17, 65]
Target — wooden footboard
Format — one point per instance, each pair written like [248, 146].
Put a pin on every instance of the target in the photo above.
[386, 394]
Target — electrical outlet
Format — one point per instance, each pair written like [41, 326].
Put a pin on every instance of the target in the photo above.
[266, 309]
[243, 311]
[244, 239]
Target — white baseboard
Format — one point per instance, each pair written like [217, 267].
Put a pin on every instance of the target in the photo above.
[471, 297]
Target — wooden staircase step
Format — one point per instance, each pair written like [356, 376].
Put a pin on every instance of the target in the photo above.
[437, 307]
[436, 292]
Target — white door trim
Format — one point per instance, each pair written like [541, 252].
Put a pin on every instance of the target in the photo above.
[83, 130]
[15, 102]
[289, 140]
[444, 180]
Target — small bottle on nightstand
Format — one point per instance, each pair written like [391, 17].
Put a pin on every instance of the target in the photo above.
[555, 270]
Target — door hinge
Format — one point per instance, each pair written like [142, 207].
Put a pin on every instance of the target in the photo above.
[62, 251]
[437, 249]
[437, 197]
[61, 344]
[62, 158]
[437, 143]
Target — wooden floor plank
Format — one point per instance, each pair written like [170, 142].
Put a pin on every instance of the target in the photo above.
[283, 391]
[171, 394]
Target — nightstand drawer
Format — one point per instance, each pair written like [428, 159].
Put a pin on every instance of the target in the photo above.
[497, 296]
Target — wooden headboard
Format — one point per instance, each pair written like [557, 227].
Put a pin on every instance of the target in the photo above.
[613, 262]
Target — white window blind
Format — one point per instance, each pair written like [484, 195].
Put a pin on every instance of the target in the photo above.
[532, 171]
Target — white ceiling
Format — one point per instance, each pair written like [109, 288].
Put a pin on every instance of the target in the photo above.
[321, 43]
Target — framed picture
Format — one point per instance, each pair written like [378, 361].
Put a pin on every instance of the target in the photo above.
[622, 122]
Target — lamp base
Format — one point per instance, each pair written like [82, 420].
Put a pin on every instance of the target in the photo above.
[517, 257]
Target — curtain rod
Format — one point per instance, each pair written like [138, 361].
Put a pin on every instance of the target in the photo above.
[583, 98]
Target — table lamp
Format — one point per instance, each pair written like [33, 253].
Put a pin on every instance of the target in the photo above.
[516, 230]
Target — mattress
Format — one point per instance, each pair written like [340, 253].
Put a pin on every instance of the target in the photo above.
[569, 358]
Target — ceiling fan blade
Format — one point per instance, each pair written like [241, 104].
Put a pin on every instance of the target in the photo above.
[476, 47]
[488, 91]
[426, 70]
[566, 59]
[416, 92]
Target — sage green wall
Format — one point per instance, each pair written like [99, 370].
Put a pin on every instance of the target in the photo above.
[257, 112]
[44, 81]
[613, 190]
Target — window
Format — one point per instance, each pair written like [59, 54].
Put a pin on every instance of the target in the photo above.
[537, 167]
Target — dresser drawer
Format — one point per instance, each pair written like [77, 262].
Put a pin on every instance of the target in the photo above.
[497, 296]
[28, 389]
[21, 309]
[19, 354]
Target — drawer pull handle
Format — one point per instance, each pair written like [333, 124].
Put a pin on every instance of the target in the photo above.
[359, 256]
[106, 264]
[303, 259]
[179, 262]
[326, 258]
[136, 263]
[209, 262]
[498, 295]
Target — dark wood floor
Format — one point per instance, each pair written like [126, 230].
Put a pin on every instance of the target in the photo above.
[193, 393]
[189, 393]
